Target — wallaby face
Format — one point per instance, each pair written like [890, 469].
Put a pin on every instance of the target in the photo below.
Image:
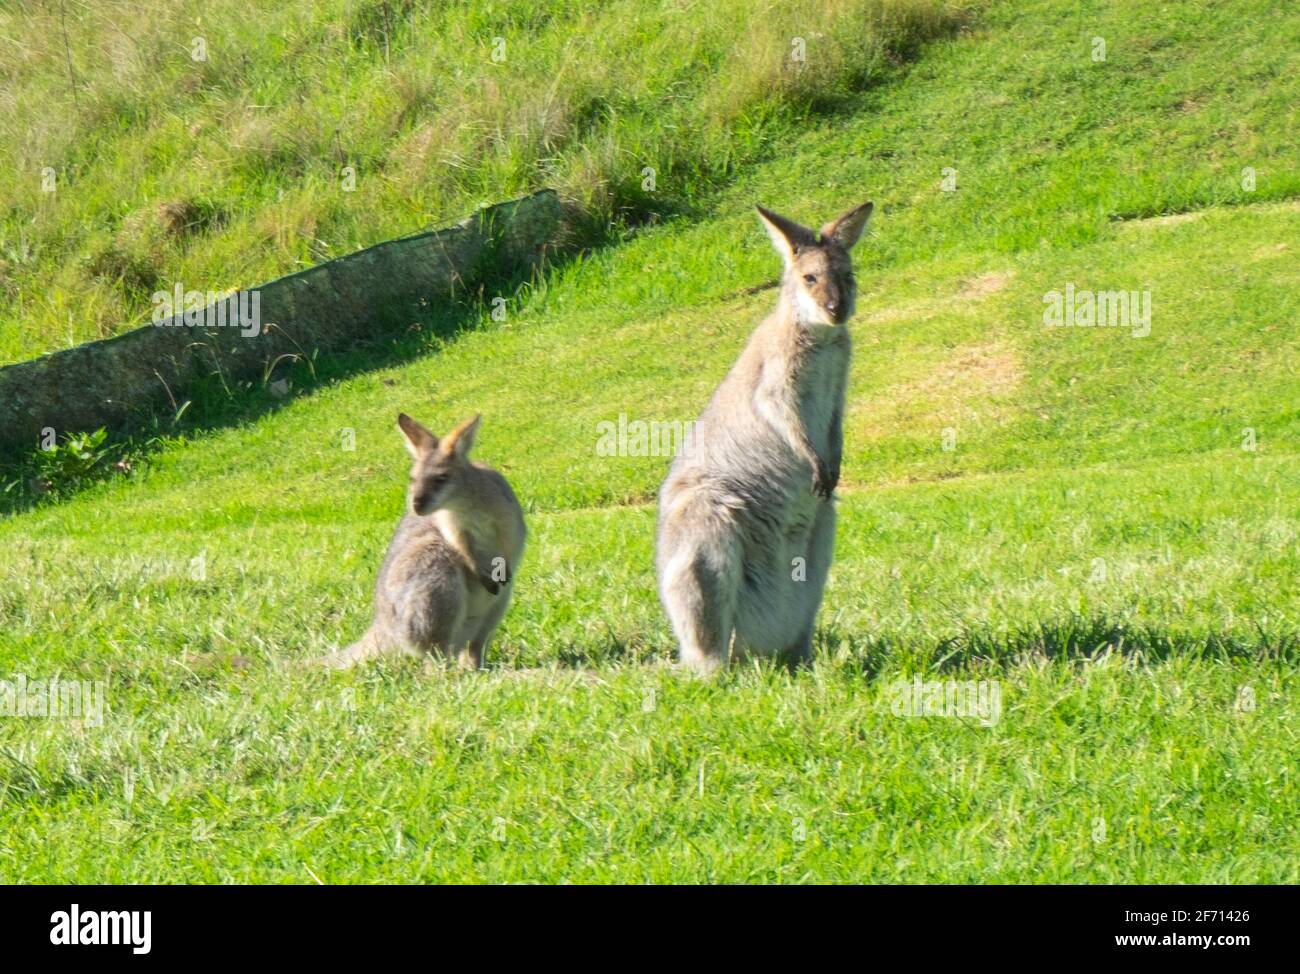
[438, 466]
[746, 527]
[818, 283]
[449, 572]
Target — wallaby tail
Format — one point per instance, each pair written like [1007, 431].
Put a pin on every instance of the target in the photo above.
[364, 648]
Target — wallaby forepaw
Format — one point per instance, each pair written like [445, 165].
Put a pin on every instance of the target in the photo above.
[823, 484]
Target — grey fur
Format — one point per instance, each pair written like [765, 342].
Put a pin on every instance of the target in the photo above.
[746, 517]
[446, 580]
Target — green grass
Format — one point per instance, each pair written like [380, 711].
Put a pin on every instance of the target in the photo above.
[334, 125]
[1098, 539]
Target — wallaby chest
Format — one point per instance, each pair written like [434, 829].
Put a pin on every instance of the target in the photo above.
[474, 536]
[818, 387]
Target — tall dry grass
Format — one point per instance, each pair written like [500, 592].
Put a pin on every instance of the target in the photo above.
[587, 98]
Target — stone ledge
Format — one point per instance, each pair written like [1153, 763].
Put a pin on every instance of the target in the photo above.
[122, 380]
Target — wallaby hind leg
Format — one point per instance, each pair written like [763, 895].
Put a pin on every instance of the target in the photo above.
[700, 589]
[475, 654]
[821, 549]
[427, 612]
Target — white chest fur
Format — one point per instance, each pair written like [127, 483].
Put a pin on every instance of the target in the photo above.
[819, 387]
[473, 534]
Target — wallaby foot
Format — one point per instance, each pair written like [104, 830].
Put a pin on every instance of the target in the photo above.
[699, 661]
[800, 655]
[471, 657]
[699, 595]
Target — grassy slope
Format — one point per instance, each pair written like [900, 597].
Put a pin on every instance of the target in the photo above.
[228, 171]
[1072, 446]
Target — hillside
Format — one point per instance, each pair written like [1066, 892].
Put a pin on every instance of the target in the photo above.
[1104, 522]
[181, 145]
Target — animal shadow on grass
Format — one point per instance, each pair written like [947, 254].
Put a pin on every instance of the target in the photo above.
[1066, 638]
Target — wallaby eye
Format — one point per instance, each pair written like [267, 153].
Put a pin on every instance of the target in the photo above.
[810, 278]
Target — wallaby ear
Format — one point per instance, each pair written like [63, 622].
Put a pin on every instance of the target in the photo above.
[846, 230]
[419, 440]
[787, 236]
[461, 439]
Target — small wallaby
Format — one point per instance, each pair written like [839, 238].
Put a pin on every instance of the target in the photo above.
[746, 520]
[447, 577]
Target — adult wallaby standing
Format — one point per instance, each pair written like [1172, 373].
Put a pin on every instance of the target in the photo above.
[746, 521]
[446, 580]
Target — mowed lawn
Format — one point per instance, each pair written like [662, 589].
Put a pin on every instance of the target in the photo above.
[1103, 526]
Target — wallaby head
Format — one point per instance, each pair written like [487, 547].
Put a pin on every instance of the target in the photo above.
[818, 286]
[439, 465]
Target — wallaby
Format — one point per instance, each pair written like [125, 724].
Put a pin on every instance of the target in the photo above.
[746, 520]
[447, 577]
